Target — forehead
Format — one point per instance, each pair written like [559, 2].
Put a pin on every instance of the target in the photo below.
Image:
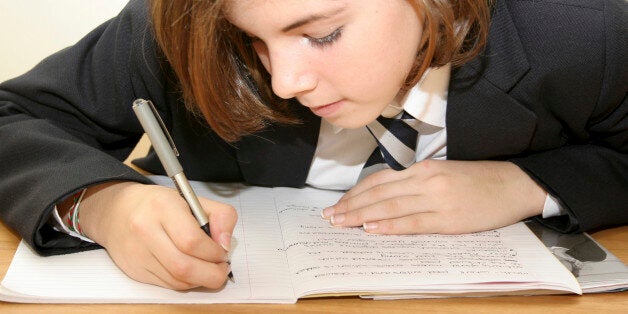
[257, 14]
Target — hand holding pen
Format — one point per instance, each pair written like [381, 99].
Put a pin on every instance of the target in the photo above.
[167, 153]
[150, 234]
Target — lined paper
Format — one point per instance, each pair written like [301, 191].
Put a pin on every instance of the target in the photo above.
[325, 259]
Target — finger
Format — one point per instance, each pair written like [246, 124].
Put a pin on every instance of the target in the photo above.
[148, 269]
[222, 220]
[176, 269]
[349, 201]
[175, 266]
[422, 223]
[386, 209]
[183, 274]
[186, 234]
[154, 273]
[376, 194]
[420, 170]
[430, 222]
[375, 179]
[161, 274]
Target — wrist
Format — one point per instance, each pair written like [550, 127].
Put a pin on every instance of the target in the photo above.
[528, 192]
[98, 203]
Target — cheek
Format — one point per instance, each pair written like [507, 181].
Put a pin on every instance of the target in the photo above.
[376, 75]
[378, 63]
[384, 70]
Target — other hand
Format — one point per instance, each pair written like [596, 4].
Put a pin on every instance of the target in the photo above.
[440, 196]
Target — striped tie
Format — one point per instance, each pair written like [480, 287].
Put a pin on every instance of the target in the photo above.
[396, 144]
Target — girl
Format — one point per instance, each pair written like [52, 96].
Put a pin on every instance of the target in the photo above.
[511, 122]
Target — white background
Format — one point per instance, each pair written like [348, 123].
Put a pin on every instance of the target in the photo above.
[30, 30]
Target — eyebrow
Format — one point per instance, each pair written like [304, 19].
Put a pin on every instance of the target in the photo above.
[310, 19]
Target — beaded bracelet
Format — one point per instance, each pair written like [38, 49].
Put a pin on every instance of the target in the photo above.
[73, 221]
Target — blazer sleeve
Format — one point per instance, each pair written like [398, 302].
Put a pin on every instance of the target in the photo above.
[591, 178]
[68, 123]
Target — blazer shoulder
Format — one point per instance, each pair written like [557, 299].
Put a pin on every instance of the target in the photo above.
[584, 4]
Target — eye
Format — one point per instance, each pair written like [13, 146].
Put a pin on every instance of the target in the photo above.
[325, 41]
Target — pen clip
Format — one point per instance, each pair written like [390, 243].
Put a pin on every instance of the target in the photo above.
[163, 127]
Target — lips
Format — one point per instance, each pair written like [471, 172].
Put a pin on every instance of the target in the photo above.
[327, 110]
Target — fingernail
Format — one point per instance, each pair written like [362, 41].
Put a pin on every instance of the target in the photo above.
[370, 226]
[225, 241]
[337, 219]
[327, 212]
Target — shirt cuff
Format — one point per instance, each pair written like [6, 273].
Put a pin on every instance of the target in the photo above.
[57, 224]
[552, 207]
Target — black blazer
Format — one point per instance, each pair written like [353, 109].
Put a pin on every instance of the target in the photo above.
[548, 93]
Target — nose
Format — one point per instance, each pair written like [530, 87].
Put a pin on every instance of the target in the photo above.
[292, 74]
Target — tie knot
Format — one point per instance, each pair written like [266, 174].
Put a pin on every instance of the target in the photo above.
[396, 140]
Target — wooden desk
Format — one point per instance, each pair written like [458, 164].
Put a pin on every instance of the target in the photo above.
[615, 239]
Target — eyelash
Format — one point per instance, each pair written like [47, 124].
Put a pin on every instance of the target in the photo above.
[327, 40]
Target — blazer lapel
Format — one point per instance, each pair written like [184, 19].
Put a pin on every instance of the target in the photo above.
[483, 121]
[281, 155]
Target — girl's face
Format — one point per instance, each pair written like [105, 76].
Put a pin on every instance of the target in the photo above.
[345, 60]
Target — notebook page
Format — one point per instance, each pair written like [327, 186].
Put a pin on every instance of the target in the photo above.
[92, 277]
[269, 275]
[325, 259]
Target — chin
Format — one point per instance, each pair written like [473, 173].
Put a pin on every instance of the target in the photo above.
[347, 123]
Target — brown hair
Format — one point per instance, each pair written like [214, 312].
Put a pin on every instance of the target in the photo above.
[222, 79]
[454, 31]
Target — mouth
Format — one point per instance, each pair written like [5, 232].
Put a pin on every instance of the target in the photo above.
[327, 110]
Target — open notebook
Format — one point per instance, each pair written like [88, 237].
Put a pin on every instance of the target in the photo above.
[283, 251]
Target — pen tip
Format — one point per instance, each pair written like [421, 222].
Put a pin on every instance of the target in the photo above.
[231, 277]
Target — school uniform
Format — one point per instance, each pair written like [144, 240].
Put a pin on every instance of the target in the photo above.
[548, 94]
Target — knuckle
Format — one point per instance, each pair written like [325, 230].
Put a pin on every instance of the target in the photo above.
[424, 165]
[415, 185]
[378, 177]
[439, 184]
[428, 167]
[181, 270]
[379, 191]
[370, 179]
[385, 176]
[138, 226]
[187, 242]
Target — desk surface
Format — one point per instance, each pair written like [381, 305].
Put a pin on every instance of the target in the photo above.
[614, 239]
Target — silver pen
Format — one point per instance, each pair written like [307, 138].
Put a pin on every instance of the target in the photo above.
[167, 152]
